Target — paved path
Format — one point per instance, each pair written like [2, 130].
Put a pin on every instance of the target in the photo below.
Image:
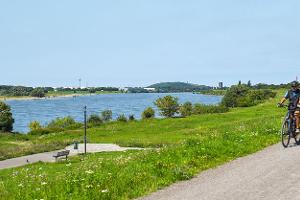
[48, 156]
[271, 174]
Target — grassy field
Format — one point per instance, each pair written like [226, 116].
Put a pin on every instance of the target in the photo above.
[187, 146]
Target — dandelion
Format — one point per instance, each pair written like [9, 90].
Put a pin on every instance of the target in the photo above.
[104, 191]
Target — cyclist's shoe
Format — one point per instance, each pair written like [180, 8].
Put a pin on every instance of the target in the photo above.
[297, 130]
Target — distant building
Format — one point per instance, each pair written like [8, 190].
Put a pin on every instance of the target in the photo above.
[150, 89]
[221, 85]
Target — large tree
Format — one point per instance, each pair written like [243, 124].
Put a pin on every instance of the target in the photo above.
[6, 119]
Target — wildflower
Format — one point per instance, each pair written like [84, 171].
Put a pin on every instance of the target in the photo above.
[20, 185]
[68, 165]
[43, 183]
[104, 191]
[40, 168]
[89, 172]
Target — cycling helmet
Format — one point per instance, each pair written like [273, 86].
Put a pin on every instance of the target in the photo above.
[295, 84]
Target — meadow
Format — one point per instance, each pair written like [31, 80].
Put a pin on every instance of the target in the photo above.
[180, 149]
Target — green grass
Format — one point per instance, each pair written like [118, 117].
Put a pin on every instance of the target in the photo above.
[187, 147]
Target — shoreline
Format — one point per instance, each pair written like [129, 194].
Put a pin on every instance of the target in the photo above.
[46, 97]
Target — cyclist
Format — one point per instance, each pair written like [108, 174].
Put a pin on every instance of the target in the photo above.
[294, 102]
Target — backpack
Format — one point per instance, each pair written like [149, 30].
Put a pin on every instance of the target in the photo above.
[293, 99]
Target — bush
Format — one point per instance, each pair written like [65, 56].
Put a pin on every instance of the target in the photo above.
[131, 118]
[167, 105]
[148, 113]
[122, 118]
[6, 119]
[106, 115]
[34, 125]
[186, 109]
[42, 131]
[205, 109]
[243, 96]
[94, 120]
[63, 123]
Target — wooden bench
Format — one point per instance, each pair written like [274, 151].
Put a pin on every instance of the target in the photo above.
[62, 153]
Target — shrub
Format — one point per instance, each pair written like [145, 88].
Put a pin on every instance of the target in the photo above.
[94, 120]
[186, 109]
[243, 96]
[6, 119]
[42, 131]
[205, 109]
[34, 125]
[167, 105]
[63, 123]
[131, 118]
[122, 118]
[106, 115]
[148, 113]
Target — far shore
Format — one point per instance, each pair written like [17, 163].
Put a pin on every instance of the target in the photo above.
[46, 97]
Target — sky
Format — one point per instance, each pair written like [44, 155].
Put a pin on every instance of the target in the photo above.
[141, 42]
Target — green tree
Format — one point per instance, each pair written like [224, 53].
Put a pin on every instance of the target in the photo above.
[186, 109]
[167, 105]
[148, 113]
[249, 83]
[6, 119]
[38, 92]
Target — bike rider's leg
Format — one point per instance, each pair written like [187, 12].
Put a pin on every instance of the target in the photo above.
[297, 114]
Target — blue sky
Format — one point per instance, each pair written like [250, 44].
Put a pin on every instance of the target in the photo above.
[140, 42]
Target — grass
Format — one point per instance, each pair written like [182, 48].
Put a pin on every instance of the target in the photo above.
[187, 147]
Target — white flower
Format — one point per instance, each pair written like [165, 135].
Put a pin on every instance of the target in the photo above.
[43, 183]
[89, 172]
[20, 185]
[68, 165]
[104, 191]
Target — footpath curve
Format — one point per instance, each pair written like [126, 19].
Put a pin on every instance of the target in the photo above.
[271, 174]
[48, 156]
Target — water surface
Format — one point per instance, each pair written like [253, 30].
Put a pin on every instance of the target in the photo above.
[44, 110]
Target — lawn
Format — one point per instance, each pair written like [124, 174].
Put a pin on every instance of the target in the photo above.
[186, 146]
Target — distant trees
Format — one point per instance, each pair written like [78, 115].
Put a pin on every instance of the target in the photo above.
[38, 92]
[167, 105]
[6, 119]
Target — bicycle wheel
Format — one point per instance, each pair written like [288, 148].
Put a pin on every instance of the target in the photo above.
[285, 134]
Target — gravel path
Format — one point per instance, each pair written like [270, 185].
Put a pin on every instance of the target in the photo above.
[48, 156]
[271, 174]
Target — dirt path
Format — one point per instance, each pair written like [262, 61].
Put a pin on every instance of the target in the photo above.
[271, 174]
[48, 156]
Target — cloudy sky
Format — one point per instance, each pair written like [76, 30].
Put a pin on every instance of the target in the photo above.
[140, 42]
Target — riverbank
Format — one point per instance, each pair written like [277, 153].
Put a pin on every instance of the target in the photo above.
[187, 147]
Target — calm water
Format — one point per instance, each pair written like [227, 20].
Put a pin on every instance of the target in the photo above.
[44, 110]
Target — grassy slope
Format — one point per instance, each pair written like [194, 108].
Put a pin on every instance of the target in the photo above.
[189, 146]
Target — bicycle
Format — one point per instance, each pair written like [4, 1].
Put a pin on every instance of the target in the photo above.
[288, 129]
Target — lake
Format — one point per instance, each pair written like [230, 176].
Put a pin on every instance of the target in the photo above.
[45, 110]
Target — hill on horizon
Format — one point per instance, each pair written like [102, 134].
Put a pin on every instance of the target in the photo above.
[178, 87]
